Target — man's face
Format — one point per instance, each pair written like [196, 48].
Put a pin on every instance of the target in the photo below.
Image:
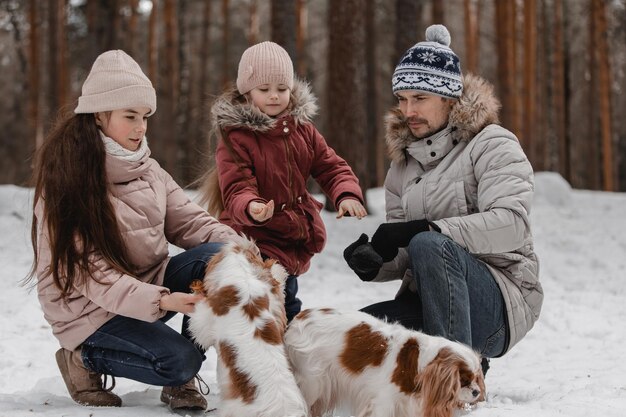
[425, 113]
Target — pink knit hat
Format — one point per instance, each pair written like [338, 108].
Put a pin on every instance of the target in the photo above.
[264, 63]
[116, 82]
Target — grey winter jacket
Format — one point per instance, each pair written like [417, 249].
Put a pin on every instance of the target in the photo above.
[474, 181]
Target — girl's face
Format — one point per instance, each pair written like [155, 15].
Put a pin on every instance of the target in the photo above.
[272, 99]
[127, 126]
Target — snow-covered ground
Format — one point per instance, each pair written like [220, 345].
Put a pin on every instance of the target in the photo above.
[571, 364]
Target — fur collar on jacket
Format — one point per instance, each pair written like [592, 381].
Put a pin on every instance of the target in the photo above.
[477, 108]
[231, 110]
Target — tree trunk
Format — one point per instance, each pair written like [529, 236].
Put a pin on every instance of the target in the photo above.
[408, 33]
[471, 36]
[530, 90]
[170, 92]
[57, 45]
[507, 65]
[202, 138]
[600, 61]
[347, 79]
[283, 23]
[301, 34]
[438, 12]
[558, 95]
[153, 44]
[374, 155]
[33, 76]
[226, 75]
[253, 31]
[132, 28]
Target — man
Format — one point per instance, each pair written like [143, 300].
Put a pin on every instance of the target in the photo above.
[458, 195]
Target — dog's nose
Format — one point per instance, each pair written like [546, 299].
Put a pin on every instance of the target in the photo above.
[475, 393]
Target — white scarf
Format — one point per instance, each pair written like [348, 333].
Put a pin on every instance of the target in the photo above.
[115, 149]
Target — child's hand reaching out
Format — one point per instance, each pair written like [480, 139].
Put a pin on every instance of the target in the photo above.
[261, 212]
[352, 207]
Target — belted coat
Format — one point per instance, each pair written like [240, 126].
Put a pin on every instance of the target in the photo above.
[261, 158]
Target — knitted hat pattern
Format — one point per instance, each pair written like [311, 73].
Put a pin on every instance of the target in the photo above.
[115, 82]
[430, 66]
[264, 63]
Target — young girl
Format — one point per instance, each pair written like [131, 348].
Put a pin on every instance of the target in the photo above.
[104, 212]
[268, 148]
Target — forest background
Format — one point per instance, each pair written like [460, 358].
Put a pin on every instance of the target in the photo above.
[557, 67]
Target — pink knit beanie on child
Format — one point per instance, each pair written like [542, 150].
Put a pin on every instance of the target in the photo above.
[264, 63]
[116, 82]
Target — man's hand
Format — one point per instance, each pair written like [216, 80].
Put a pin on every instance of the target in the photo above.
[391, 236]
[362, 258]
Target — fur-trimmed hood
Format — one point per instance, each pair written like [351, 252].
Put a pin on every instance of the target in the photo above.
[231, 110]
[477, 108]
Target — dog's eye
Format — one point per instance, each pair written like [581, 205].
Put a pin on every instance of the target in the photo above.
[466, 382]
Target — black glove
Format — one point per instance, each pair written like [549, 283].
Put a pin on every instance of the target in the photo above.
[363, 259]
[391, 236]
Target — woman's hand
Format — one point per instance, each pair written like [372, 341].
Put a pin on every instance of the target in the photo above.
[261, 212]
[180, 302]
[352, 207]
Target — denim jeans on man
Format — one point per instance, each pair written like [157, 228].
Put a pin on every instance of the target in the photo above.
[152, 353]
[457, 297]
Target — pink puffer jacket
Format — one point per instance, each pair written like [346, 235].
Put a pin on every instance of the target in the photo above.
[151, 211]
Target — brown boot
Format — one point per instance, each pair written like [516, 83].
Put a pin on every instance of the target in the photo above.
[85, 387]
[186, 396]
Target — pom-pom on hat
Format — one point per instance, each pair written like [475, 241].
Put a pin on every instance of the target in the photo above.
[430, 66]
[264, 63]
[115, 82]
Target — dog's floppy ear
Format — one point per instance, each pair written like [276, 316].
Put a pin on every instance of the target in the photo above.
[440, 383]
[197, 287]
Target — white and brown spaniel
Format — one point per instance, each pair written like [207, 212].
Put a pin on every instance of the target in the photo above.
[243, 318]
[350, 362]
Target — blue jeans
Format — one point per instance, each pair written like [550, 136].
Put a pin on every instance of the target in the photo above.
[292, 302]
[152, 353]
[457, 296]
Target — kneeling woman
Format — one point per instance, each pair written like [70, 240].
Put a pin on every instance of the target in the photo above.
[104, 213]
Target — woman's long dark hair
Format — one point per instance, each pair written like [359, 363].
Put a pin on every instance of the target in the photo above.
[70, 177]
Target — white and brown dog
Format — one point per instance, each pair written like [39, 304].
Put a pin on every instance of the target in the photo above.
[243, 318]
[355, 363]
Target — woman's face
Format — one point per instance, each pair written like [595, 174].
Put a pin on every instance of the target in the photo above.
[127, 127]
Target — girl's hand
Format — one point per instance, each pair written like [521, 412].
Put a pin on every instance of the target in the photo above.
[353, 207]
[180, 302]
[261, 212]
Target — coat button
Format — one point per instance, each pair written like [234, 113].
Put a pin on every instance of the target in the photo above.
[284, 123]
[286, 130]
[429, 142]
[433, 154]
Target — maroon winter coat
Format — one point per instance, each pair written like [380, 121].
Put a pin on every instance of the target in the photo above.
[271, 159]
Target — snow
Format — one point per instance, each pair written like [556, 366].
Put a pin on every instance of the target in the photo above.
[570, 364]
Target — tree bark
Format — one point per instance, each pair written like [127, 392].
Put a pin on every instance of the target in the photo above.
[558, 95]
[33, 75]
[347, 78]
[471, 36]
[507, 64]
[530, 90]
[408, 33]
[601, 62]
